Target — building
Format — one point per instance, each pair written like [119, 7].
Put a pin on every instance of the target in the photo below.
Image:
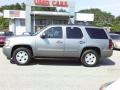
[32, 21]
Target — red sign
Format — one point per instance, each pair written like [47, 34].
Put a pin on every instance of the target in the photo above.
[53, 3]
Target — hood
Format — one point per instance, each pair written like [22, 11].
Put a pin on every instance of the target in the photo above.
[21, 37]
[21, 40]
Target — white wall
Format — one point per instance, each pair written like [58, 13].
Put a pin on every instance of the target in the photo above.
[16, 27]
[19, 28]
[84, 17]
[11, 25]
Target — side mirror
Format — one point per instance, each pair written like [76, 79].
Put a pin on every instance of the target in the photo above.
[43, 36]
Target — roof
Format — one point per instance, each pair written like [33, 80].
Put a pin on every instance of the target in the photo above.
[21, 13]
[76, 25]
[52, 13]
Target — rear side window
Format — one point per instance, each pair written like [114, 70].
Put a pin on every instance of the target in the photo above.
[96, 33]
[74, 33]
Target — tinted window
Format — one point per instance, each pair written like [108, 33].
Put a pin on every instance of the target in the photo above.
[96, 33]
[74, 33]
[54, 32]
[22, 22]
[115, 37]
[116, 32]
[9, 34]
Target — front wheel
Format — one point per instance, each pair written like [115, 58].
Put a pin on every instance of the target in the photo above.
[90, 58]
[22, 56]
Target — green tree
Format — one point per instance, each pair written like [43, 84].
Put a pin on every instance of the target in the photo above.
[117, 20]
[3, 23]
[101, 18]
[18, 6]
[23, 6]
[116, 24]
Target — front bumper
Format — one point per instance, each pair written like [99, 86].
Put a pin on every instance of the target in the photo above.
[7, 51]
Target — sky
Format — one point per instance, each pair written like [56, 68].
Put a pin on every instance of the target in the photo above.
[111, 6]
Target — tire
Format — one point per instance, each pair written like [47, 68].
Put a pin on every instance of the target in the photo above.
[12, 61]
[22, 56]
[89, 58]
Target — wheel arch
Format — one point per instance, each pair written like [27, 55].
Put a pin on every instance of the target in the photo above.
[23, 46]
[91, 48]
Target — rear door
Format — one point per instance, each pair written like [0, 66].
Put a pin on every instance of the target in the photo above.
[74, 41]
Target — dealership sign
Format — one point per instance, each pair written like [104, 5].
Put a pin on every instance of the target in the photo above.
[51, 3]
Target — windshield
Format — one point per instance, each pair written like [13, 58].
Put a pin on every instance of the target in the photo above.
[38, 31]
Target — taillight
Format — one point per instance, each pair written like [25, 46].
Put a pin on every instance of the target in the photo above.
[110, 44]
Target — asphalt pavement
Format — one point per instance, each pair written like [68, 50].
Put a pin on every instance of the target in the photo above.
[43, 74]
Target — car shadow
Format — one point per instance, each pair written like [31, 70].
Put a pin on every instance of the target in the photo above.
[67, 62]
[106, 62]
[116, 49]
[1, 46]
[55, 62]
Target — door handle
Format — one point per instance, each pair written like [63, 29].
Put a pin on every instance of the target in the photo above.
[59, 42]
[82, 42]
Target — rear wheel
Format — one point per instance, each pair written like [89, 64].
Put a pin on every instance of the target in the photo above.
[22, 56]
[89, 58]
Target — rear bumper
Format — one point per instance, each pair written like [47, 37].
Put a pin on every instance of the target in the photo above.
[106, 53]
[7, 51]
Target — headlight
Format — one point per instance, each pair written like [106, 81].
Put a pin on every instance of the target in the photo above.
[7, 42]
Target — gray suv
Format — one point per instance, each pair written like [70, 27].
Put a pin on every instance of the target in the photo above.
[86, 43]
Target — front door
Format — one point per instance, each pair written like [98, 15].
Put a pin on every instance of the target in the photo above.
[52, 45]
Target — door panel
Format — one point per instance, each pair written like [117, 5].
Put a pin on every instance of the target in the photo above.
[52, 45]
[74, 42]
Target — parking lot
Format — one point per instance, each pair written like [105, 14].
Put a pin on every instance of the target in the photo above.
[58, 75]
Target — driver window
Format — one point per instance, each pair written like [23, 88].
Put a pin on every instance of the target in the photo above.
[54, 32]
